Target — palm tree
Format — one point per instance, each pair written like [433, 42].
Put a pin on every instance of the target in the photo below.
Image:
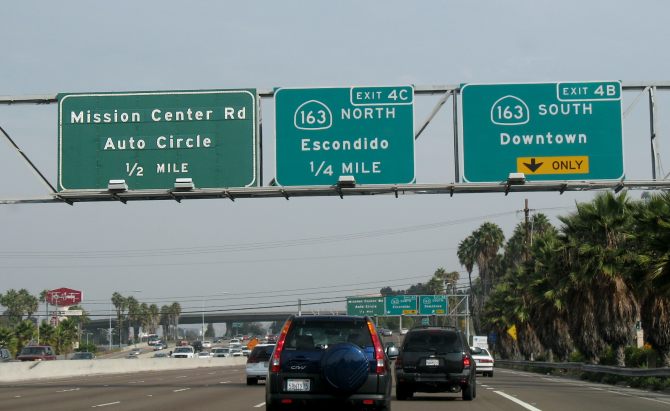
[599, 264]
[134, 316]
[120, 304]
[154, 315]
[653, 235]
[166, 321]
[466, 255]
[64, 335]
[175, 312]
[488, 240]
[24, 332]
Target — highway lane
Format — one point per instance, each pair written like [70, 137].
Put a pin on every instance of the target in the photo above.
[225, 388]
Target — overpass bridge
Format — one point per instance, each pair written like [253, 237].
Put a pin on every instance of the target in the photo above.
[222, 318]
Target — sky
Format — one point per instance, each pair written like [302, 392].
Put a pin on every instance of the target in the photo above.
[261, 252]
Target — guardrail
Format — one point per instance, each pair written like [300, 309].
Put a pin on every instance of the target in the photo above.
[603, 369]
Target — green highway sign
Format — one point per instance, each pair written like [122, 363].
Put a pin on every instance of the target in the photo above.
[149, 139]
[432, 304]
[548, 131]
[401, 305]
[372, 306]
[364, 132]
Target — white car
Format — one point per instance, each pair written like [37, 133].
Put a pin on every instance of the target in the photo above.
[204, 354]
[221, 352]
[206, 344]
[184, 351]
[403, 331]
[236, 352]
[257, 363]
[484, 361]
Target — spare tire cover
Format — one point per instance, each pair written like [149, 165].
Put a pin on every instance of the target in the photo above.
[345, 367]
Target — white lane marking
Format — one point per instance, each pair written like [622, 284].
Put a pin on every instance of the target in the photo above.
[17, 396]
[211, 373]
[181, 389]
[518, 401]
[106, 404]
[68, 390]
[224, 382]
[181, 376]
[259, 405]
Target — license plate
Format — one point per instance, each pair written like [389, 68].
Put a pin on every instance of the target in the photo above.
[432, 362]
[297, 385]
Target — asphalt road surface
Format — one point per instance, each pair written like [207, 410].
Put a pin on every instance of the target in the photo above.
[225, 389]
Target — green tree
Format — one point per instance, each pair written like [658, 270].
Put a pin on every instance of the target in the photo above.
[25, 331]
[64, 336]
[8, 340]
[121, 305]
[599, 262]
[652, 233]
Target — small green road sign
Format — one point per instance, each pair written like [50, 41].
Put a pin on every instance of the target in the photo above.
[371, 306]
[325, 133]
[432, 304]
[548, 131]
[149, 139]
[425, 321]
[401, 305]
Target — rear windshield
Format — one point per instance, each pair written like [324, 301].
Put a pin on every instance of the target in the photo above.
[262, 353]
[432, 341]
[319, 334]
[183, 349]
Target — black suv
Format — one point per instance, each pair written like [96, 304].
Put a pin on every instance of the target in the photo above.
[332, 361]
[435, 359]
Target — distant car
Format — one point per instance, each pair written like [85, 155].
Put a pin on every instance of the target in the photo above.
[385, 332]
[257, 363]
[204, 354]
[197, 346]
[5, 355]
[435, 359]
[245, 351]
[236, 352]
[403, 331]
[160, 355]
[37, 353]
[185, 351]
[159, 345]
[83, 356]
[221, 352]
[484, 361]
[135, 352]
[206, 344]
[234, 343]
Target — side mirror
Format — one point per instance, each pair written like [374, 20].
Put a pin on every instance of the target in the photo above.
[392, 352]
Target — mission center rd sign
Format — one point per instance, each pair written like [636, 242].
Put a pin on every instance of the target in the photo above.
[548, 131]
[149, 139]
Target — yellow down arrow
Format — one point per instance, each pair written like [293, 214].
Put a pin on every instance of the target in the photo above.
[553, 165]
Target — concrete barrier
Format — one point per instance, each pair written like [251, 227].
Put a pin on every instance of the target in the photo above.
[35, 370]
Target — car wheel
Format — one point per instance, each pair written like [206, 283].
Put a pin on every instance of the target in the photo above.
[468, 392]
[491, 374]
[252, 381]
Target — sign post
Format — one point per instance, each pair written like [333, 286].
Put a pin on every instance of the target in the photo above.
[547, 131]
[363, 132]
[149, 139]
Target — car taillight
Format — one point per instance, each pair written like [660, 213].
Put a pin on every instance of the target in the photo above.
[275, 364]
[466, 361]
[379, 350]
